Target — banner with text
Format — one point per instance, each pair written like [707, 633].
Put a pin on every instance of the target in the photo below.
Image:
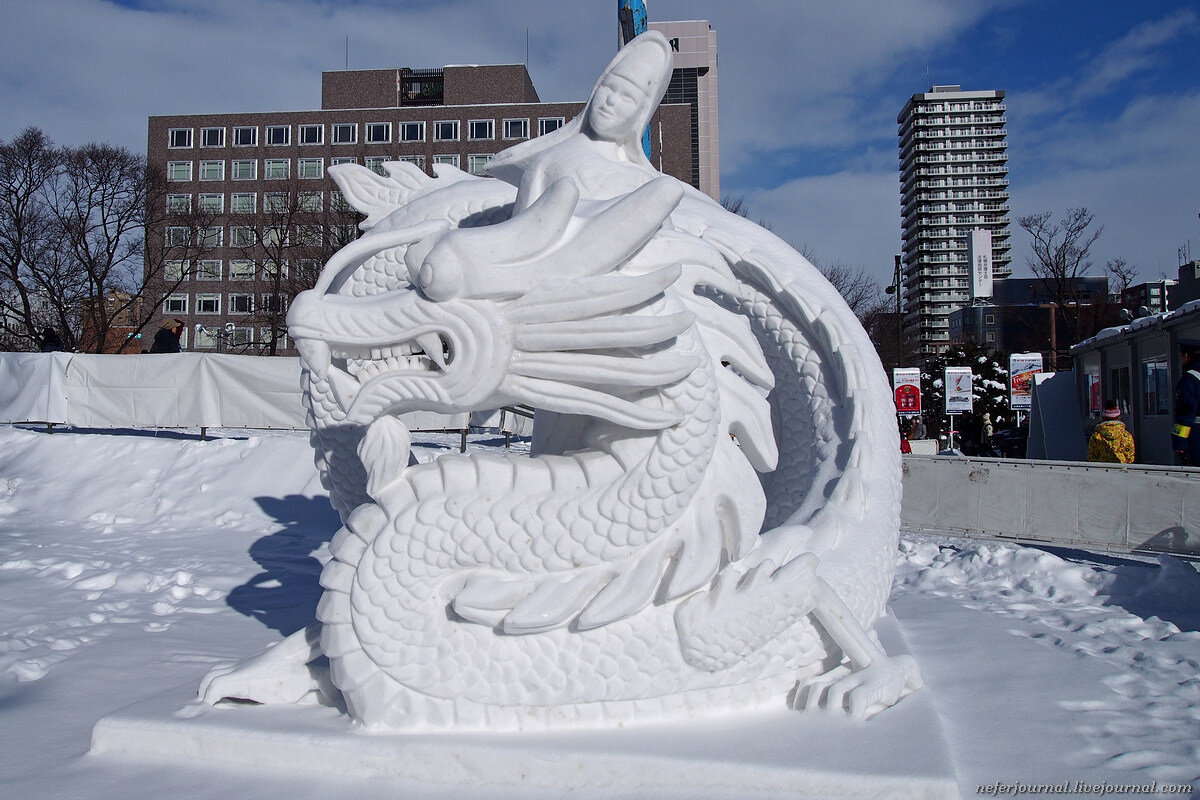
[1021, 369]
[906, 383]
[958, 390]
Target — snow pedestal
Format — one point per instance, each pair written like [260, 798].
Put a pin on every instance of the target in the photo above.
[900, 753]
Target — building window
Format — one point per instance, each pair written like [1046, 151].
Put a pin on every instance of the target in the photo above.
[989, 319]
[375, 164]
[179, 170]
[275, 202]
[446, 158]
[274, 269]
[242, 202]
[516, 129]
[989, 337]
[176, 237]
[311, 134]
[272, 303]
[481, 129]
[272, 237]
[212, 137]
[275, 169]
[308, 236]
[245, 136]
[476, 164]
[175, 271]
[333, 162]
[240, 236]
[412, 131]
[212, 203]
[549, 125]
[179, 138]
[266, 336]
[309, 201]
[241, 269]
[379, 132]
[179, 203]
[243, 170]
[241, 303]
[345, 133]
[445, 131]
[183, 339]
[206, 338]
[1156, 388]
[241, 337]
[309, 267]
[175, 304]
[210, 237]
[310, 168]
[338, 202]
[418, 160]
[208, 270]
[279, 134]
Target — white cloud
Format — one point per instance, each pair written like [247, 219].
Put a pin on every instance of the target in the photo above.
[849, 217]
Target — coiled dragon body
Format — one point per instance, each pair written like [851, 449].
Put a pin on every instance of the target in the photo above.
[708, 517]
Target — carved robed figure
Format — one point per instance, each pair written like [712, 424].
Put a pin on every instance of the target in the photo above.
[707, 519]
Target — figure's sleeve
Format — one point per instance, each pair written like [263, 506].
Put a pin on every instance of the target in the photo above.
[1187, 402]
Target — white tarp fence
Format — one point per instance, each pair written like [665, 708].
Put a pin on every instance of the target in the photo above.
[181, 390]
[1118, 507]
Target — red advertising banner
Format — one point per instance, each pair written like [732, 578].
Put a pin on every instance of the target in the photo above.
[907, 383]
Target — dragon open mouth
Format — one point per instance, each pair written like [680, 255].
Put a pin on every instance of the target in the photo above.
[427, 353]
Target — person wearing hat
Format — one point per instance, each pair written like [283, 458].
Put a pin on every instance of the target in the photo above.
[166, 340]
[1110, 441]
[1184, 443]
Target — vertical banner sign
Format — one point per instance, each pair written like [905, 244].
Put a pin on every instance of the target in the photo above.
[1021, 369]
[1093, 384]
[979, 252]
[907, 387]
[958, 390]
[634, 20]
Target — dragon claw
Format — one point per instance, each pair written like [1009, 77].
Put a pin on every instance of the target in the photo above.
[863, 693]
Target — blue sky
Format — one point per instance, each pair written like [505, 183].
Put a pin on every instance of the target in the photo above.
[1103, 97]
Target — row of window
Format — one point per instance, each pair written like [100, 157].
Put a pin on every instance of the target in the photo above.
[247, 202]
[237, 303]
[211, 269]
[245, 236]
[246, 169]
[206, 338]
[349, 132]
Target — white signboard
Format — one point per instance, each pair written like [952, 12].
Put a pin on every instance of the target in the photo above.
[1021, 369]
[958, 390]
[979, 252]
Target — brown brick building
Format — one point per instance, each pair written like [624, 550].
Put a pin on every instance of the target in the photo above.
[253, 214]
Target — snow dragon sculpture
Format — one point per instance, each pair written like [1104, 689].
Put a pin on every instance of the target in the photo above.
[708, 516]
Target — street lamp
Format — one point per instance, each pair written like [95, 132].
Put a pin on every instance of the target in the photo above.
[895, 289]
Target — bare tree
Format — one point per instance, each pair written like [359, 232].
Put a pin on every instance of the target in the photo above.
[27, 240]
[1061, 256]
[77, 243]
[1121, 275]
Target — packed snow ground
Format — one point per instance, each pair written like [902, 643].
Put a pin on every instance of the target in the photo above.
[131, 563]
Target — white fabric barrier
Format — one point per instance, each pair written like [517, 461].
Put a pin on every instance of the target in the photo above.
[1129, 507]
[180, 390]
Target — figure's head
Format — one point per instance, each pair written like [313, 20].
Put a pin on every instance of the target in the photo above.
[1189, 349]
[629, 90]
[1111, 411]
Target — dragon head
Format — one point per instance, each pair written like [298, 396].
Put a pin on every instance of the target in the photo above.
[543, 308]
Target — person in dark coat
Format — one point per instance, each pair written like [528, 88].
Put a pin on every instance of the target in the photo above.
[167, 338]
[1185, 440]
[51, 342]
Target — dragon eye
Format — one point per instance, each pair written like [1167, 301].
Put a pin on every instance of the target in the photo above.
[439, 278]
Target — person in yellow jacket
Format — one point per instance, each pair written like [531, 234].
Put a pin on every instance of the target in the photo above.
[1110, 441]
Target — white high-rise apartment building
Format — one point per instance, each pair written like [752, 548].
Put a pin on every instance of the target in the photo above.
[954, 180]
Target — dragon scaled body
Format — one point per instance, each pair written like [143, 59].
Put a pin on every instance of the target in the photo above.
[708, 516]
